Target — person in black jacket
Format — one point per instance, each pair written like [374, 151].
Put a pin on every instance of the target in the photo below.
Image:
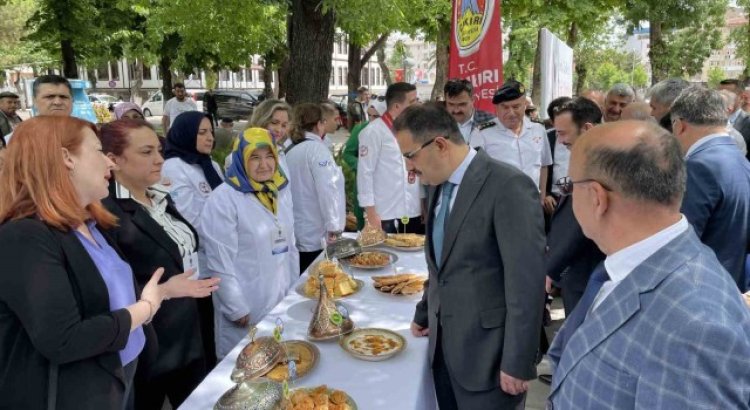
[151, 233]
[71, 316]
[571, 257]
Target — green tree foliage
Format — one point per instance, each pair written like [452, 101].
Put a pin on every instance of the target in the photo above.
[741, 38]
[13, 50]
[682, 33]
[715, 75]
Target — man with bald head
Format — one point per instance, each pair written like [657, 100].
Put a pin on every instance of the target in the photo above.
[618, 97]
[661, 324]
[638, 110]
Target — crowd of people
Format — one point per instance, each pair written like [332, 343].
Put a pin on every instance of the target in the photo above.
[132, 263]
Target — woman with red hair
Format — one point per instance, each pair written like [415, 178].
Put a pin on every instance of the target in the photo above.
[72, 320]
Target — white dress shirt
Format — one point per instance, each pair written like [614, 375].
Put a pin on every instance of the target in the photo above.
[382, 178]
[317, 186]
[252, 251]
[560, 167]
[528, 152]
[456, 177]
[175, 107]
[623, 262]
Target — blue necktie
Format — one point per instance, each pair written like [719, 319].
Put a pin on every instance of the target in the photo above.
[597, 279]
[438, 230]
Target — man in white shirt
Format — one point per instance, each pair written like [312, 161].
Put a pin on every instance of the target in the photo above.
[176, 106]
[388, 192]
[661, 308]
[514, 139]
[459, 101]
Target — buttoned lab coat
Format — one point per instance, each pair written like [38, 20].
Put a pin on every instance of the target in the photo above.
[256, 273]
[318, 190]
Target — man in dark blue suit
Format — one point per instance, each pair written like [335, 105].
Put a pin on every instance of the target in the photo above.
[717, 199]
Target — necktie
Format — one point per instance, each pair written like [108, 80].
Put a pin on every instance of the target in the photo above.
[597, 279]
[438, 230]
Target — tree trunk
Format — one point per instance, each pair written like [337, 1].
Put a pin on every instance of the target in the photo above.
[442, 53]
[358, 59]
[135, 86]
[165, 73]
[70, 68]
[384, 67]
[267, 77]
[167, 54]
[310, 52]
[536, 79]
[659, 69]
[354, 68]
[573, 35]
[582, 72]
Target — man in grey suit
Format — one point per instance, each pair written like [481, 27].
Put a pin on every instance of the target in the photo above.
[482, 306]
[661, 324]
[739, 119]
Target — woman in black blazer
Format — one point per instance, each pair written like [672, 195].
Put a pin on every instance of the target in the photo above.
[151, 233]
[71, 321]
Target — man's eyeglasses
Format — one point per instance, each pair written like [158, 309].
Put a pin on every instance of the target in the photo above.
[566, 184]
[410, 155]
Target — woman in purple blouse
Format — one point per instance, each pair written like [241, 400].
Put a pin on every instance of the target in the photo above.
[71, 318]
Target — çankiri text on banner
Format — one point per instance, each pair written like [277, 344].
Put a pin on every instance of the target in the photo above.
[477, 48]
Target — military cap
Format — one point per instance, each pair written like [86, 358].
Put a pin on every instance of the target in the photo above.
[509, 91]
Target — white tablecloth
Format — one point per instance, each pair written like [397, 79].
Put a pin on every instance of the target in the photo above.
[402, 382]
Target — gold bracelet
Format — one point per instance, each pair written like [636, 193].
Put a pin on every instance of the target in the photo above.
[151, 311]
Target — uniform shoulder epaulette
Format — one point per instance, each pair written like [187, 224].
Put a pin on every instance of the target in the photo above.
[487, 124]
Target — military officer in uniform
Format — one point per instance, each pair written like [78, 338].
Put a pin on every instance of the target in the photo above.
[514, 139]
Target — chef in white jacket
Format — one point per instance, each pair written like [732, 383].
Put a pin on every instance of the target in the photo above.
[317, 184]
[191, 175]
[386, 190]
[248, 226]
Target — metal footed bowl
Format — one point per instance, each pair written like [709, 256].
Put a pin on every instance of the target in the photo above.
[257, 359]
[259, 394]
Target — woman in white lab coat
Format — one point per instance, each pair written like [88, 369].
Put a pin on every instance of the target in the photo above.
[191, 175]
[317, 184]
[248, 226]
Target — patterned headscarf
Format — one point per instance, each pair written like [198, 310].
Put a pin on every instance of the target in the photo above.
[237, 177]
[122, 108]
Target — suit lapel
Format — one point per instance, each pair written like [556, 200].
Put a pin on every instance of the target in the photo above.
[468, 189]
[91, 291]
[147, 225]
[624, 302]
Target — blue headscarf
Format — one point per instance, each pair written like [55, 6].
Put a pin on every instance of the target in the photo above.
[181, 143]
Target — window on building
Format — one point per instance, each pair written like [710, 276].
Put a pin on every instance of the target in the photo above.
[115, 70]
[146, 71]
[261, 74]
[378, 76]
[223, 75]
[332, 81]
[346, 74]
[102, 72]
[341, 76]
[365, 76]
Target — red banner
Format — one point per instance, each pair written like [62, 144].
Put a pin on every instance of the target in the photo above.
[477, 48]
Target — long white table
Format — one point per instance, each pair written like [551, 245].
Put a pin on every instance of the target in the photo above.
[402, 382]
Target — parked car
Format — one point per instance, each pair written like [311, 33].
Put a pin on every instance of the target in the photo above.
[154, 106]
[341, 101]
[235, 104]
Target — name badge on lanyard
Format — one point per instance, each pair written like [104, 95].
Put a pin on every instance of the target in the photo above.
[190, 261]
[279, 243]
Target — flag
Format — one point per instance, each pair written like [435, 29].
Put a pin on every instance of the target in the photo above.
[476, 52]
